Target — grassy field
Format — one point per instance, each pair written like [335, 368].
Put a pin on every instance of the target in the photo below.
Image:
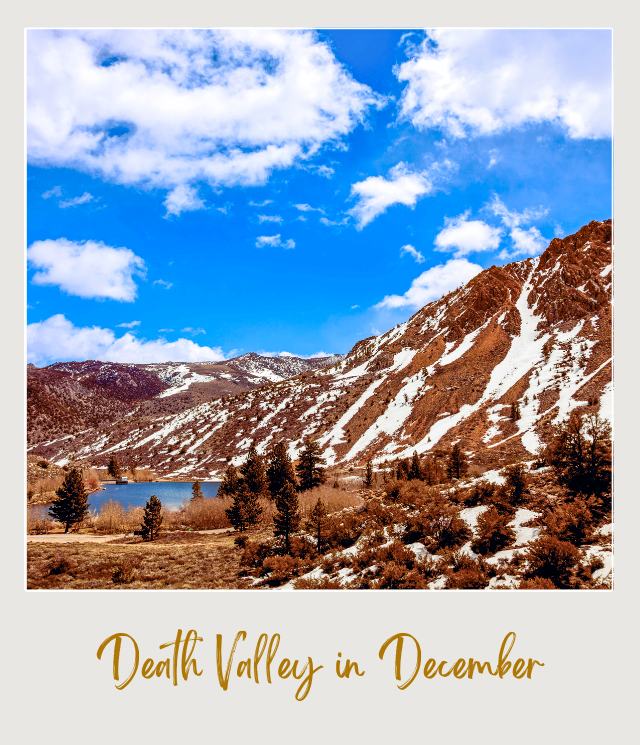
[177, 560]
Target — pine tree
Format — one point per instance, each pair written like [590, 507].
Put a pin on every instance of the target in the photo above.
[245, 510]
[457, 465]
[516, 485]
[113, 469]
[196, 491]
[229, 484]
[287, 518]
[70, 506]
[151, 520]
[309, 467]
[316, 523]
[368, 475]
[415, 469]
[580, 455]
[253, 472]
[280, 470]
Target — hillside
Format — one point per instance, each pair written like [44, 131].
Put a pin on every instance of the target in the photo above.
[494, 365]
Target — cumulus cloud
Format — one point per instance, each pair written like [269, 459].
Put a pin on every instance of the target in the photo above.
[276, 241]
[89, 269]
[413, 252]
[463, 236]
[478, 82]
[524, 241]
[376, 194]
[182, 198]
[57, 338]
[167, 108]
[433, 284]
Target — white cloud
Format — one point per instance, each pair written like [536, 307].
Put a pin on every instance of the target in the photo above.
[413, 252]
[263, 203]
[524, 241]
[57, 338]
[166, 108]
[76, 201]
[194, 330]
[55, 191]
[433, 284]
[529, 242]
[464, 236]
[308, 208]
[87, 269]
[269, 218]
[512, 218]
[475, 82]
[163, 283]
[275, 241]
[376, 194]
[129, 325]
[182, 198]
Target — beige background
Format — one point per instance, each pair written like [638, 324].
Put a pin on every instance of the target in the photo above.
[54, 689]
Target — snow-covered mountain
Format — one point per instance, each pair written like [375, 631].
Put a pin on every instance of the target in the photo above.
[494, 365]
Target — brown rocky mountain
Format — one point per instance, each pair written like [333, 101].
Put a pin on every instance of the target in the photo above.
[494, 365]
[67, 398]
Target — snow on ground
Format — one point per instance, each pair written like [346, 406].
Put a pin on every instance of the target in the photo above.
[606, 402]
[524, 535]
[471, 514]
[606, 556]
[179, 378]
[504, 581]
[493, 477]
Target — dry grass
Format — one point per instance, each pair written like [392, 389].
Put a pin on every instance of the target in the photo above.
[175, 561]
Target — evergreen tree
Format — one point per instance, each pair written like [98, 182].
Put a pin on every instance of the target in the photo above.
[457, 465]
[515, 411]
[253, 472]
[287, 518]
[70, 506]
[580, 455]
[245, 510]
[229, 485]
[415, 469]
[280, 470]
[196, 491]
[316, 523]
[309, 467]
[151, 520]
[113, 469]
[368, 475]
[516, 485]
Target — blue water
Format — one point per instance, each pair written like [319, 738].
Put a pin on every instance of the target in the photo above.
[172, 494]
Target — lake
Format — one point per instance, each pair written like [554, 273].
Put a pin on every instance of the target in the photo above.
[172, 494]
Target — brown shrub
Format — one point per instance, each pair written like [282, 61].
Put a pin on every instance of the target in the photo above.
[111, 518]
[281, 569]
[536, 583]
[493, 532]
[571, 522]
[124, 572]
[552, 559]
[465, 573]
[320, 583]
[438, 526]
[481, 493]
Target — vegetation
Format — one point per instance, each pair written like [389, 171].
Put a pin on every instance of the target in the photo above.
[196, 491]
[71, 505]
[245, 510]
[151, 520]
[309, 467]
[113, 468]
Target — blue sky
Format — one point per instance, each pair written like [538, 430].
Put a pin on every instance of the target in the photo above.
[196, 195]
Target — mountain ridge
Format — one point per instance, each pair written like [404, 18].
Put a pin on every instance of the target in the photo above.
[494, 365]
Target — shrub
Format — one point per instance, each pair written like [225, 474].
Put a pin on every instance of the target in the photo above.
[517, 484]
[536, 583]
[281, 569]
[124, 572]
[493, 532]
[571, 522]
[111, 518]
[481, 493]
[466, 573]
[552, 559]
[319, 583]
[438, 526]
[59, 565]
